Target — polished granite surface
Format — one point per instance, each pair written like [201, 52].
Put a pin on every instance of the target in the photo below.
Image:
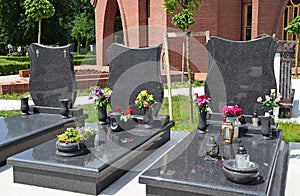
[184, 168]
[103, 149]
[21, 126]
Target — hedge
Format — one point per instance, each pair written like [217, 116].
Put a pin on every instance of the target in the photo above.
[86, 61]
[16, 58]
[12, 67]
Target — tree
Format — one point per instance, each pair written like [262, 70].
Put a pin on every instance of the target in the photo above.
[83, 30]
[182, 20]
[39, 9]
[294, 28]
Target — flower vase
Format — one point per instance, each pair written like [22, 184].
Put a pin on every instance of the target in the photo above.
[276, 112]
[115, 121]
[64, 108]
[69, 149]
[148, 118]
[202, 123]
[102, 115]
[24, 105]
[236, 124]
[265, 127]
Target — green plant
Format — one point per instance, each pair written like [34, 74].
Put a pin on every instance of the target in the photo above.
[290, 131]
[75, 135]
[6, 113]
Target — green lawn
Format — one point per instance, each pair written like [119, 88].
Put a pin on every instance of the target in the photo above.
[291, 131]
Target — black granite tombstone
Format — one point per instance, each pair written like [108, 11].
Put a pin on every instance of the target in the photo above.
[52, 75]
[239, 72]
[132, 70]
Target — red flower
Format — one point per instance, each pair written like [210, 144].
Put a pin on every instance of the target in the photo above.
[118, 107]
[128, 111]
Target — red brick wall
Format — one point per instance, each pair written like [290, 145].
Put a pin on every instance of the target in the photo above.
[222, 19]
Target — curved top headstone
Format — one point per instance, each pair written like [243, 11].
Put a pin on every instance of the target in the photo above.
[52, 75]
[132, 70]
[239, 72]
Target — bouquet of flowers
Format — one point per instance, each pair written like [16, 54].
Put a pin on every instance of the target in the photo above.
[125, 114]
[202, 101]
[144, 100]
[231, 111]
[271, 100]
[101, 97]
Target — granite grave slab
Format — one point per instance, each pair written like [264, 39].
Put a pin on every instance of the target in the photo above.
[184, 170]
[21, 132]
[108, 156]
[132, 70]
[52, 75]
[239, 72]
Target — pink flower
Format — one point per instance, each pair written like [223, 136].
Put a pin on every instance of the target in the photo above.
[145, 104]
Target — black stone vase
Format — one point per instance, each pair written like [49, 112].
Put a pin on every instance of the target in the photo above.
[265, 127]
[115, 121]
[64, 108]
[202, 122]
[102, 115]
[24, 105]
[148, 118]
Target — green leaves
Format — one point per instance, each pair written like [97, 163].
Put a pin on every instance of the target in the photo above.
[39, 9]
[185, 10]
[183, 20]
[294, 26]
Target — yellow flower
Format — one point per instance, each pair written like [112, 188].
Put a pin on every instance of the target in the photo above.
[136, 102]
[143, 93]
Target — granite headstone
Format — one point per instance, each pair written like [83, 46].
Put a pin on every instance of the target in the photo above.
[52, 75]
[132, 70]
[239, 72]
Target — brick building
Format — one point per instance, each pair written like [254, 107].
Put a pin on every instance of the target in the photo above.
[144, 22]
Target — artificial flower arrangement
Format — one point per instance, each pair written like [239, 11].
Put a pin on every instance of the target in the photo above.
[100, 97]
[202, 101]
[144, 100]
[271, 100]
[75, 135]
[125, 114]
[231, 111]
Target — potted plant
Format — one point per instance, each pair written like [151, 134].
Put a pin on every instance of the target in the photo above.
[144, 101]
[70, 142]
[231, 114]
[202, 102]
[101, 97]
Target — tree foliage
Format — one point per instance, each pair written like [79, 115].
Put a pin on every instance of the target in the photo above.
[294, 26]
[38, 9]
[185, 10]
[17, 28]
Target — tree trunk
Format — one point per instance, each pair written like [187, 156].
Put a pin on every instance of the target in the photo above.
[187, 44]
[40, 31]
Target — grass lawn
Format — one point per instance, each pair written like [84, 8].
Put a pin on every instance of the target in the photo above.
[291, 131]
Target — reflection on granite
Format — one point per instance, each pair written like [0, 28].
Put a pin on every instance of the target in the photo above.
[190, 173]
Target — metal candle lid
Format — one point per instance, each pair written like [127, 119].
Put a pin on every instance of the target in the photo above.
[241, 150]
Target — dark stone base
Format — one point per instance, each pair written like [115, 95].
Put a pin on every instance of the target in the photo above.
[188, 173]
[93, 171]
[22, 132]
